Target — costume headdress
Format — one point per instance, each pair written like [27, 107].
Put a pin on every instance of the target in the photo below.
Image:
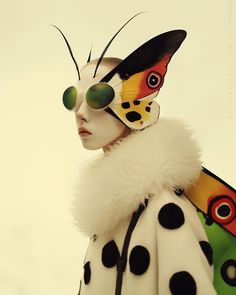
[128, 90]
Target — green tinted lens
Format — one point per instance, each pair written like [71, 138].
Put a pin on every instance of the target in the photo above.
[99, 96]
[69, 97]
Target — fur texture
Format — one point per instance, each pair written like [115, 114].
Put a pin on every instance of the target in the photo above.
[162, 156]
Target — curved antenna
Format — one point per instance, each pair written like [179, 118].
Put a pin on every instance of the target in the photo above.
[90, 53]
[71, 53]
[109, 43]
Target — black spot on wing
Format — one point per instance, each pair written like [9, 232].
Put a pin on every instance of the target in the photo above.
[136, 102]
[133, 116]
[125, 105]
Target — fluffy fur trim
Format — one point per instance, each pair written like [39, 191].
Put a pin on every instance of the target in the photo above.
[162, 156]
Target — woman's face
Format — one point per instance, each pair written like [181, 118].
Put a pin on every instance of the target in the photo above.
[97, 129]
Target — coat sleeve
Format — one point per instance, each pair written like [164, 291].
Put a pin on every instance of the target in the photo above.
[184, 254]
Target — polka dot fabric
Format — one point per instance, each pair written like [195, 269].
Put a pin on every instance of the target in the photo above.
[168, 253]
[207, 250]
[87, 273]
[171, 216]
[139, 260]
[182, 283]
[110, 254]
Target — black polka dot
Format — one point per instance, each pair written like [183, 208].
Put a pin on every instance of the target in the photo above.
[207, 250]
[148, 109]
[133, 116]
[171, 216]
[125, 105]
[87, 273]
[150, 103]
[110, 254]
[182, 283]
[139, 260]
[228, 272]
[136, 102]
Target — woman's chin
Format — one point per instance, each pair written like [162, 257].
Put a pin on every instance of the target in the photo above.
[90, 145]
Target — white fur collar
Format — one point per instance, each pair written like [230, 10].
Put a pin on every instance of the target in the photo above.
[162, 156]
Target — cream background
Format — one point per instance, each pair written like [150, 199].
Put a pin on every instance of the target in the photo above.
[41, 252]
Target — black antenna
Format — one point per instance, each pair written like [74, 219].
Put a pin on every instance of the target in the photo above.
[71, 53]
[109, 43]
[90, 53]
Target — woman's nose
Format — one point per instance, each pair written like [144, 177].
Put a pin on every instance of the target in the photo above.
[80, 117]
[82, 113]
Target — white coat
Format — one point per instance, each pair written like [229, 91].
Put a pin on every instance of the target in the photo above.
[168, 251]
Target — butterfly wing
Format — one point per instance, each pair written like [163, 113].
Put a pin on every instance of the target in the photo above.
[223, 246]
[140, 76]
[216, 203]
[216, 199]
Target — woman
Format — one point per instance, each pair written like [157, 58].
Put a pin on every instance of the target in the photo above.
[145, 236]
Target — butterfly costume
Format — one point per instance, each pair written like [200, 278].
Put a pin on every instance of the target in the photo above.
[158, 222]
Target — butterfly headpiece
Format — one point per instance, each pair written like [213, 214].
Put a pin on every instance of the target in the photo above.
[128, 90]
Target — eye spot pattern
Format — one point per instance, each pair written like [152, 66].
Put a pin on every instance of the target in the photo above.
[222, 209]
[148, 109]
[153, 80]
[228, 272]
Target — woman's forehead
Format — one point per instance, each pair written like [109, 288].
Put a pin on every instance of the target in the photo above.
[87, 71]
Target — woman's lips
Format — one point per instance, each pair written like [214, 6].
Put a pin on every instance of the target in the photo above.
[83, 132]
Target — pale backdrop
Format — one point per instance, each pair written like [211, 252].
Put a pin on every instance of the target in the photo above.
[41, 252]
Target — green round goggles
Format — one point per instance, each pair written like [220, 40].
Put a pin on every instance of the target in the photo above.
[98, 97]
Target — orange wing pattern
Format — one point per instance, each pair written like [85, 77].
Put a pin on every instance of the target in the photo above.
[144, 83]
[216, 199]
[138, 78]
